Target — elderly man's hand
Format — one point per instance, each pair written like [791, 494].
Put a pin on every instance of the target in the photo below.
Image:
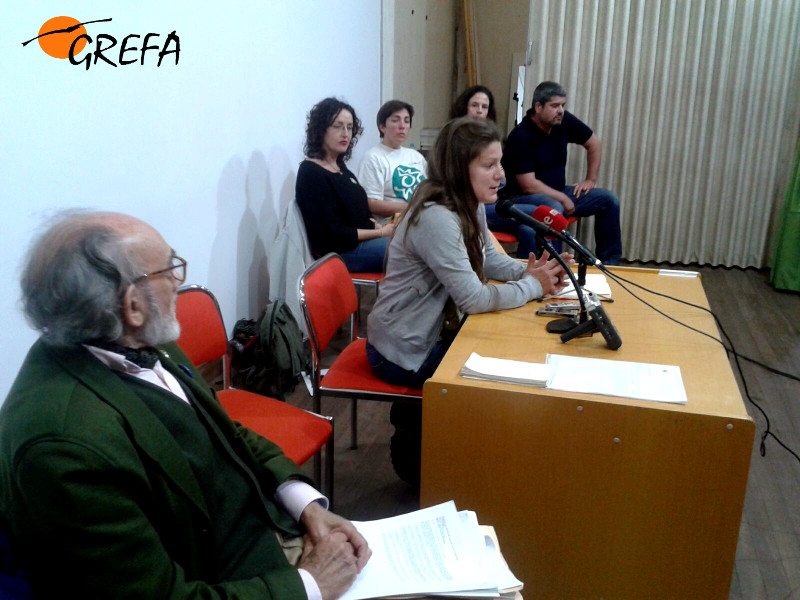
[320, 523]
[331, 562]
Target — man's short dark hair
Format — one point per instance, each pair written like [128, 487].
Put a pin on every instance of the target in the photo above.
[391, 107]
[546, 90]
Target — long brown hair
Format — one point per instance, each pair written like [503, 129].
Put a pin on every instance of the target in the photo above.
[461, 105]
[448, 183]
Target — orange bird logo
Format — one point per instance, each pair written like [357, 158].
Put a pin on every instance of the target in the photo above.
[57, 35]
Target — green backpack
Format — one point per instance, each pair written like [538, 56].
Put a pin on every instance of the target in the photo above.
[280, 354]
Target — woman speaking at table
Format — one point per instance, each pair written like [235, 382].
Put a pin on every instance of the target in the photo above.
[439, 260]
[438, 264]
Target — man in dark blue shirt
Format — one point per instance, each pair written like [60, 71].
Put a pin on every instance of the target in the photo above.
[535, 159]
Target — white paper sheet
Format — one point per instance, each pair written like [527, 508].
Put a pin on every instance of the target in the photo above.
[643, 381]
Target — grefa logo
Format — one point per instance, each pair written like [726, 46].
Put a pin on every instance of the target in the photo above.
[65, 37]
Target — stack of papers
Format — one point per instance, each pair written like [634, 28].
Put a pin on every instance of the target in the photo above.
[433, 551]
[506, 371]
[643, 381]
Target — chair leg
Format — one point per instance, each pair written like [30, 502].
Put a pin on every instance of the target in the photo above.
[358, 303]
[329, 483]
[353, 424]
[317, 402]
[318, 472]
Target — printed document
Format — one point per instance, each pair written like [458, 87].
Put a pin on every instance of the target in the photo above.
[435, 550]
[643, 381]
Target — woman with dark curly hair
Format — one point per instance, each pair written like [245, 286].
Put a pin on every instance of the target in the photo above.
[475, 101]
[333, 204]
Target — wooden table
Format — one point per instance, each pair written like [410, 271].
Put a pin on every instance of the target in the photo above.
[595, 496]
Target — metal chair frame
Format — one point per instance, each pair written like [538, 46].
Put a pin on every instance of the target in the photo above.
[364, 280]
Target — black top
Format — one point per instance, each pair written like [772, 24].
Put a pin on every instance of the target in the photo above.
[333, 205]
[531, 150]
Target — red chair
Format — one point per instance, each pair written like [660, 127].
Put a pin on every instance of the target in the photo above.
[505, 238]
[299, 433]
[328, 299]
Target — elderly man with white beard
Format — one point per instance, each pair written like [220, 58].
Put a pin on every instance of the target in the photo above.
[121, 476]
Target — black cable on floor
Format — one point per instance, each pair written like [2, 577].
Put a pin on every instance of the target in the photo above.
[728, 348]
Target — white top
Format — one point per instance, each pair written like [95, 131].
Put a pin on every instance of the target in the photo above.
[391, 175]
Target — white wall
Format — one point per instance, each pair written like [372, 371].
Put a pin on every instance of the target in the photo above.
[206, 151]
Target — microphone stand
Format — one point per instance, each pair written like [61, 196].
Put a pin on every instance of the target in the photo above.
[566, 324]
[581, 272]
[593, 317]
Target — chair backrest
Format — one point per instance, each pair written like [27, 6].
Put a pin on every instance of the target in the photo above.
[203, 336]
[328, 298]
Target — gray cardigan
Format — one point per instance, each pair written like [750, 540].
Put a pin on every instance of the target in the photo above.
[423, 272]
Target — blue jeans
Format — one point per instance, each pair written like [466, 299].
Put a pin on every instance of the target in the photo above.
[524, 234]
[397, 375]
[367, 257]
[600, 203]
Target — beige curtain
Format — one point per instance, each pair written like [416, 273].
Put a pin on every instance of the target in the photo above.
[697, 103]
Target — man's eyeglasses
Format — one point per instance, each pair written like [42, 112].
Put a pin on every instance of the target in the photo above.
[177, 270]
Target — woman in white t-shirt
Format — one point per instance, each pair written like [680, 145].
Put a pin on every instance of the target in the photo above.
[390, 172]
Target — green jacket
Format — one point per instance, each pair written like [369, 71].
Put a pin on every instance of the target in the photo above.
[100, 498]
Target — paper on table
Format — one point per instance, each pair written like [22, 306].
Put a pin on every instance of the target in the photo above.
[506, 371]
[643, 381]
[426, 551]
[595, 282]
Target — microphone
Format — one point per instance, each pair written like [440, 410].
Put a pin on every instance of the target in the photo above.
[593, 316]
[506, 209]
[557, 222]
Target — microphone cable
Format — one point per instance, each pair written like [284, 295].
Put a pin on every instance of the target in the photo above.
[730, 350]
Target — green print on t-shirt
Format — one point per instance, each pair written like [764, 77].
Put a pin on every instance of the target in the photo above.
[405, 180]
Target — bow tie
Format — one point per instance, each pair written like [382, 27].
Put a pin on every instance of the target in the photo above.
[146, 358]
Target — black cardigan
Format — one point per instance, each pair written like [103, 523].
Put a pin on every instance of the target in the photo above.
[334, 206]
